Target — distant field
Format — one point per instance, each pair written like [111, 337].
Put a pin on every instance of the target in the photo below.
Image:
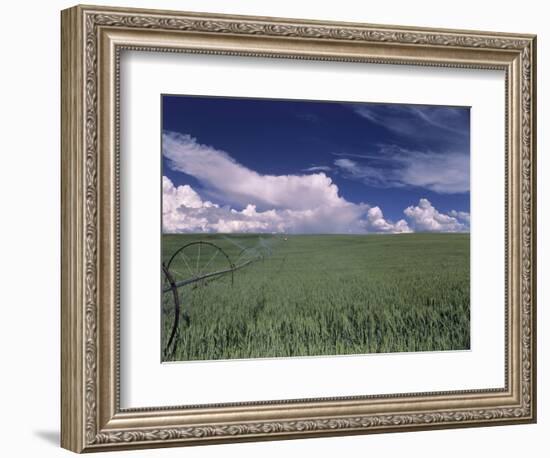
[322, 295]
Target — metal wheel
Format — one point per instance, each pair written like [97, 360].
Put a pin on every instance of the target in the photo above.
[171, 293]
[194, 264]
[198, 262]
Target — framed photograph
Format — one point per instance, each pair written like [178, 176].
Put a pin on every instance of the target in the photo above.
[278, 228]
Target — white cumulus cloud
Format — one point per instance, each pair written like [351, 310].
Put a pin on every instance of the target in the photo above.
[236, 184]
[425, 217]
[462, 216]
[184, 211]
[375, 222]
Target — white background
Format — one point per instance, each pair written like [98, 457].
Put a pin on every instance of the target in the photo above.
[146, 75]
[29, 246]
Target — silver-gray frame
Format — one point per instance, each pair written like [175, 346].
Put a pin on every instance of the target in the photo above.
[92, 40]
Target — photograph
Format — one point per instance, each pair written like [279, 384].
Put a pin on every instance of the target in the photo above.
[305, 228]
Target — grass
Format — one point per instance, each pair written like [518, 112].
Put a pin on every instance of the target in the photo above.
[322, 295]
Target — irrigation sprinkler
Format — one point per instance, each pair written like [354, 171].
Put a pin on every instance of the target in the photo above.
[195, 265]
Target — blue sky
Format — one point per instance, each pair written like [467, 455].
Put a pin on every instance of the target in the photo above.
[301, 164]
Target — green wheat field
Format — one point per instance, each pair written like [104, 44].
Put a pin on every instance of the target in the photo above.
[309, 295]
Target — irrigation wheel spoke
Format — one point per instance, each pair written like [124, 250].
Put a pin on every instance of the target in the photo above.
[198, 258]
[186, 263]
[205, 267]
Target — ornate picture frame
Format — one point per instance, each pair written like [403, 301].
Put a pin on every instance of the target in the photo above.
[93, 39]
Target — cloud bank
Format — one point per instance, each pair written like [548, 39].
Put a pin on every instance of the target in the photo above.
[183, 210]
[247, 201]
[424, 217]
